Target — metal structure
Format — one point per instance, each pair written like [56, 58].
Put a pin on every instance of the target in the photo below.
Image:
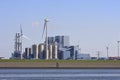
[18, 45]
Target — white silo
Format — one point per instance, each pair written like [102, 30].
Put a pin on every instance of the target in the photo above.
[50, 51]
[55, 51]
[46, 52]
[41, 49]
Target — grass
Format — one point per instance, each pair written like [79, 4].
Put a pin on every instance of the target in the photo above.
[100, 61]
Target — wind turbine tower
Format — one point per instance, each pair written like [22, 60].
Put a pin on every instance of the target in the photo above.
[21, 35]
[46, 38]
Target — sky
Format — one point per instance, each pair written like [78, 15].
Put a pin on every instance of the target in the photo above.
[91, 24]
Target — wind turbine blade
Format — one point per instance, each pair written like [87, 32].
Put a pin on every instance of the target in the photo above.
[26, 37]
[44, 29]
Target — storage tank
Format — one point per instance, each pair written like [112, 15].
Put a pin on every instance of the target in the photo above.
[30, 53]
[26, 56]
[46, 53]
[55, 51]
[35, 51]
[50, 51]
[41, 49]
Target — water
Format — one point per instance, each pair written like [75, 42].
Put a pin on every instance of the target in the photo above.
[59, 74]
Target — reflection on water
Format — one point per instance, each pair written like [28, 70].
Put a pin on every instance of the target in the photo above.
[59, 74]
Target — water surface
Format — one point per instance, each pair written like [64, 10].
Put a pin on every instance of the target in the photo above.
[59, 74]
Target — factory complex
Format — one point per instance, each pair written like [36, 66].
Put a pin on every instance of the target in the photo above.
[53, 48]
[59, 48]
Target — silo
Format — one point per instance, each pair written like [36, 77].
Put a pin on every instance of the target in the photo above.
[26, 53]
[55, 51]
[46, 53]
[41, 49]
[35, 51]
[30, 53]
[50, 51]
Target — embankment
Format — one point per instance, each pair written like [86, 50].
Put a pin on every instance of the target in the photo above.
[61, 64]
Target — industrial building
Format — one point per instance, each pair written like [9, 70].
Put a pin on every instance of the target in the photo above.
[64, 55]
[17, 47]
[83, 56]
[62, 41]
[58, 48]
[68, 53]
[51, 40]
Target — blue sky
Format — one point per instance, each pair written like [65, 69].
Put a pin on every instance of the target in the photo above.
[93, 24]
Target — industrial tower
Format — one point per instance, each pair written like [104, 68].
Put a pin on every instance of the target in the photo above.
[18, 46]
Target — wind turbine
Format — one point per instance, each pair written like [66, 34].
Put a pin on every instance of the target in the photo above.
[18, 44]
[21, 39]
[21, 35]
[46, 41]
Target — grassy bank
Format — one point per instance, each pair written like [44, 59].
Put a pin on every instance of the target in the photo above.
[68, 64]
